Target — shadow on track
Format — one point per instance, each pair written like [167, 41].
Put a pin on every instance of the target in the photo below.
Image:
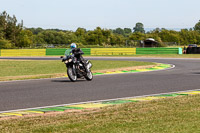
[196, 73]
[64, 80]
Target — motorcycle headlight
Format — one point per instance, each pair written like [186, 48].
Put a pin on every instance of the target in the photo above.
[67, 61]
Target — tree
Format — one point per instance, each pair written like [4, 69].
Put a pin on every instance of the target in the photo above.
[106, 36]
[169, 35]
[197, 26]
[189, 37]
[156, 31]
[119, 31]
[116, 40]
[35, 31]
[137, 36]
[13, 29]
[3, 24]
[127, 31]
[99, 36]
[9, 29]
[5, 44]
[90, 38]
[24, 39]
[139, 27]
[80, 32]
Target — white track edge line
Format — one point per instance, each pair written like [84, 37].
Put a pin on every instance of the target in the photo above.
[97, 101]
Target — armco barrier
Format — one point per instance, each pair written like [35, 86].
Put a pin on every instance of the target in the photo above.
[113, 51]
[50, 52]
[158, 50]
[59, 52]
[23, 52]
[90, 51]
[87, 51]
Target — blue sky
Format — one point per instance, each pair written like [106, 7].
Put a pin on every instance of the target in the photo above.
[110, 14]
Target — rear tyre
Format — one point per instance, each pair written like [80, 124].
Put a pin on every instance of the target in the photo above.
[72, 76]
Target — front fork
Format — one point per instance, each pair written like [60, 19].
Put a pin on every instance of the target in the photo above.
[74, 69]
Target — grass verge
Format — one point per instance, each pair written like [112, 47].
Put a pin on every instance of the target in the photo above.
[179, 114]
[15, 69]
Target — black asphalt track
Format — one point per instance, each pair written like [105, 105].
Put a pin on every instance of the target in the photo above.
[46, 92]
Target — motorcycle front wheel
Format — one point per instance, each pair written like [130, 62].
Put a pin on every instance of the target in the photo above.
[72, 76]
[89, 76]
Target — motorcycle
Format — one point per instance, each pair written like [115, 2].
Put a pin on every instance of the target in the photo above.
[75, 69]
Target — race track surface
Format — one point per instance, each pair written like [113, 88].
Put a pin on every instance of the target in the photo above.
[46, 92]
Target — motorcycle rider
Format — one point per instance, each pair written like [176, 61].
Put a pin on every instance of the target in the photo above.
[76, 52]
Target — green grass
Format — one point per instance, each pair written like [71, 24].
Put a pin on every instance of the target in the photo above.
[170, 115]
[22, 68]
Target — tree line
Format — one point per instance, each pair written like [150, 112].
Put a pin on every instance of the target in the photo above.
[15, 35]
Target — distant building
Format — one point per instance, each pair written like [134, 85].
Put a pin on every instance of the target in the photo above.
[149, 42]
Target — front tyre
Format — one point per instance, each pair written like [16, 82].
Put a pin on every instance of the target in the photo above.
[72, 76]
[89, 76]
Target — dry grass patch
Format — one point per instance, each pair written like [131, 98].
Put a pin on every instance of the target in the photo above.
[178, 114]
